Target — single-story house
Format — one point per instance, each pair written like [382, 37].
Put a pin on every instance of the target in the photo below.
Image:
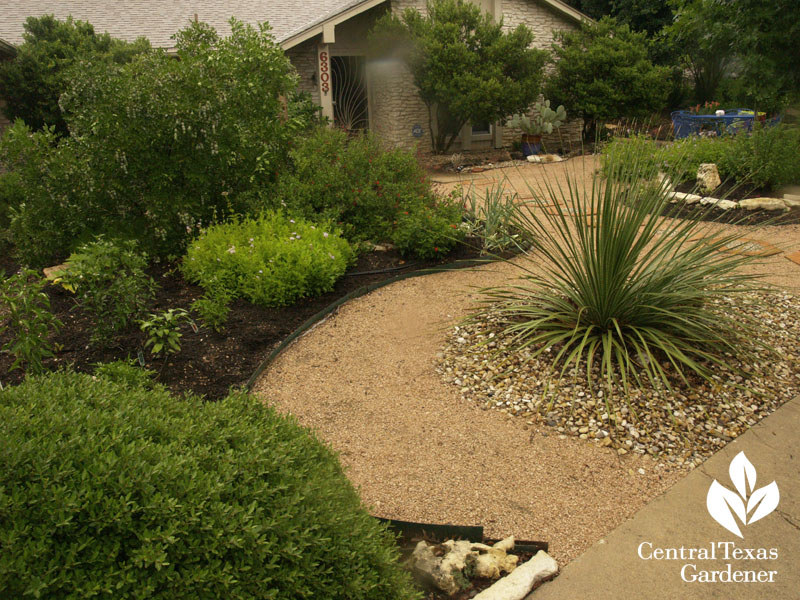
[326, 42]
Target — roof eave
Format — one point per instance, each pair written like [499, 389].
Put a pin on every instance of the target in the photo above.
[566, 10]
[316, 29]
[7, 49]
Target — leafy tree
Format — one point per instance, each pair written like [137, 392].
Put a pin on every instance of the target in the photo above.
[602, 72]
[705, 37]
[465, 67]
[649, 16]
[33, 82]
[758, 39]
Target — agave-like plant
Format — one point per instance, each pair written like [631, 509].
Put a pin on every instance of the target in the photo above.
[611, 283]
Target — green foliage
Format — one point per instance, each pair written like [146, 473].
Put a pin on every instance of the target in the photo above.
[41, 71]
[429, 231]
[765, 158]
[351, 181]
[623, 289]
[271, 260]
[465, 66]
[126, 373]
[213, 308]
[602, 72]
[493, 219]
[160, 146]
[25, 314]
[114, 492]
[110, 284]
[163, 330]
[49, 194]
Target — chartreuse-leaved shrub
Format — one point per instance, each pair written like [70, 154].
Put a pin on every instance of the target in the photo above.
[271, 260]
[612, 285]
[113, 491]
[352, 181]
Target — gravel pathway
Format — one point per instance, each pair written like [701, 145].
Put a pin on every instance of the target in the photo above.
[418, 449]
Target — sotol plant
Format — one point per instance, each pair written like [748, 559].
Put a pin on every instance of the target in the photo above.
[612, 285]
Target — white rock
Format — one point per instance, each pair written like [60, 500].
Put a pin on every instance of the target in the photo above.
[763, 203]
[708, 177]
[520, 582]
[791, 201]
[687, 198]
[717, 203]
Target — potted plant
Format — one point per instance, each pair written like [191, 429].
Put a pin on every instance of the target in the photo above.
[543, 121]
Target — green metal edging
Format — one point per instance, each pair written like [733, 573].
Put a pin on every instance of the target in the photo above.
[363, 290]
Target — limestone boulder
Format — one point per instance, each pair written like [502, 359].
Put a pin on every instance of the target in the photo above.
[763, 204]
[708, 178]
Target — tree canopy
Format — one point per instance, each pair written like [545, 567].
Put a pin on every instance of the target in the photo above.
[602, 72]
[34, 80]
[465, 67]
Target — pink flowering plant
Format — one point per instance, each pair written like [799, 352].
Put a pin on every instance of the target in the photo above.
[270, 260]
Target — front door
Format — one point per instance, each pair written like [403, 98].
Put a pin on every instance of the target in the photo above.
[349, 82]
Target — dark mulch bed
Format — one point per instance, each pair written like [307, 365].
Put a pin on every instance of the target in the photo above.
[732, 191]
[209, 363]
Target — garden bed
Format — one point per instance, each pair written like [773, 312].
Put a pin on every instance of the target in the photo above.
[209, 363]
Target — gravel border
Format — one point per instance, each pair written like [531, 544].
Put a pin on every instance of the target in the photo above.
[681, 428]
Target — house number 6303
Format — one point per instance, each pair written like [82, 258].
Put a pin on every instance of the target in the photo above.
[324, 74]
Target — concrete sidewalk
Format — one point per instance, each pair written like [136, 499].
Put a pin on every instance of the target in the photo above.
[613, 569]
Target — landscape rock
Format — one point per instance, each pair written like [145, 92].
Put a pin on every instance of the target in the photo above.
[718, 203]
[544, 158]
[449, 565]
[791, 201]
[51, 273]
[763, 204]
[708, 177]
[521, 581]
[687, 198]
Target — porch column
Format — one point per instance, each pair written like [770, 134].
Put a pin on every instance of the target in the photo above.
[325, 80]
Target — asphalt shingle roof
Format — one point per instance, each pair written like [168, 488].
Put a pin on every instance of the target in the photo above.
[158, 20]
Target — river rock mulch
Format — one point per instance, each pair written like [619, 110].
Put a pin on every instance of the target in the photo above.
[681, 428]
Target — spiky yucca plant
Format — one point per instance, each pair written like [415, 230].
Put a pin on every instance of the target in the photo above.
[610, 283]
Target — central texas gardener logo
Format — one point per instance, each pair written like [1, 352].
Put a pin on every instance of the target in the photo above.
[748, 505]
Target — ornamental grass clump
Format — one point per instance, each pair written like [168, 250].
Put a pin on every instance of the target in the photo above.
[613, 288]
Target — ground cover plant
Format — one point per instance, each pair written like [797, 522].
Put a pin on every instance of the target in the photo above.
[112, 489]
[623, 295]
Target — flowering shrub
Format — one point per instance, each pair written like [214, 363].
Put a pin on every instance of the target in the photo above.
[709, 108]
[429, 231]
[351, 181]
[158, 145]
[271, 260]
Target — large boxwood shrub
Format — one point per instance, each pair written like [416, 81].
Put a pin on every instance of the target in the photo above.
[113, 491]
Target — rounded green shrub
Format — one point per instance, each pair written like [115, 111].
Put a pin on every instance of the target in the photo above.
[272, 260]
[429, 231]
[109, 491]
